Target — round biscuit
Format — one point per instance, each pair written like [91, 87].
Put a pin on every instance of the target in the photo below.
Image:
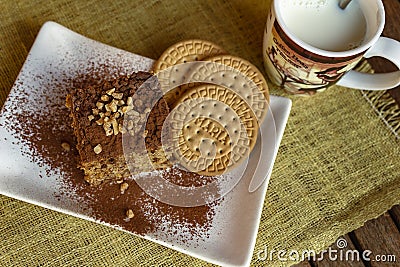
[213, 130]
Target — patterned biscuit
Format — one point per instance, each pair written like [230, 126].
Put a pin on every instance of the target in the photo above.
[183, 52]
[237, 74]
[213, 130]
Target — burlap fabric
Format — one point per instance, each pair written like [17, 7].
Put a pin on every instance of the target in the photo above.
[338, 164]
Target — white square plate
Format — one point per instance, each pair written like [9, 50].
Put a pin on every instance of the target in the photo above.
[57, 56]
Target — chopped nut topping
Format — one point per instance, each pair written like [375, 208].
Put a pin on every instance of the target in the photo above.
[100, 121]
[108, 108]
[121, 129]
[99, 105]
[66, 146]
[107, 128]
[112, 106]
[105, 98]
[130, 214]
[109, 132]
[117, 95]
[114, 124]
[126, 109]
[115, 102]
[97, 149]
[129, 101]
[110, 92]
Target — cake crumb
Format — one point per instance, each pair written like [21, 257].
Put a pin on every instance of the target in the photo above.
[66, 146]
[124, 186]
[130, 214]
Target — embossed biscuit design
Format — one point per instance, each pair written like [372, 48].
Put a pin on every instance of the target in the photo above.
[213, 130]
[237, 74]
[187, 51]
[183, 52]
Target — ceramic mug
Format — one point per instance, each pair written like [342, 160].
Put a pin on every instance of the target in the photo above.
[312, 44]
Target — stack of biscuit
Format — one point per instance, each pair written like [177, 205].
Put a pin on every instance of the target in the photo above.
[217, 102]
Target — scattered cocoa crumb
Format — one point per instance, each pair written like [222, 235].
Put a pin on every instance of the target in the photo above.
[130, 214]
[124, 186]
[66, 146]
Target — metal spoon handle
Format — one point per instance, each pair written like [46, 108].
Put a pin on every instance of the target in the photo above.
[343, 3]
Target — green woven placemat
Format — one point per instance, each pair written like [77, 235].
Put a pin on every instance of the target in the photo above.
[337, 166]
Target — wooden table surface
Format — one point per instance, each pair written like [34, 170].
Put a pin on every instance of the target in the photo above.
[381, 236]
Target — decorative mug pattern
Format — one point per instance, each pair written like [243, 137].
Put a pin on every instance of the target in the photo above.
[297, 70]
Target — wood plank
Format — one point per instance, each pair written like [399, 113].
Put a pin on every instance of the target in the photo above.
[382, 238]
[342, 253]
[391, 30]
[395, 213]
[379, 236]
[304, 263]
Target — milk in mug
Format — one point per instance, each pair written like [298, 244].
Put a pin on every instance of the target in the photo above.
[323, 24]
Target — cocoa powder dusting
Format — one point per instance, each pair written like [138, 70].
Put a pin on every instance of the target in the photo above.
[111, 206]
[47, 133]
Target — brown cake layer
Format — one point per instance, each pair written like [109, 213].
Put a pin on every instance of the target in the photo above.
[125, 114]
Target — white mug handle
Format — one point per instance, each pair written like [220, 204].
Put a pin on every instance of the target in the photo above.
[386, 48]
